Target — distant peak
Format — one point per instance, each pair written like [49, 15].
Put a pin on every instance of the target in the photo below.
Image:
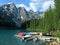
[10, 3]
[22, 8]
[31, 10]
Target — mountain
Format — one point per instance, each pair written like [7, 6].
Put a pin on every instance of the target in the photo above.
[24, 14]
[10, 15]
[5, 19]
[35, 15]
[10, 12]
[31, 14]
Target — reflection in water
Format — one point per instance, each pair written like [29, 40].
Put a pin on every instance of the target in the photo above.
[7, 38]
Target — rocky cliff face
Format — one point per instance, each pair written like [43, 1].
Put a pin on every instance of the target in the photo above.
[23, 13]
[10, 15]
[5, 19]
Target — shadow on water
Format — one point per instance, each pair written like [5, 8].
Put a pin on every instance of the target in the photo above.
[7, 36]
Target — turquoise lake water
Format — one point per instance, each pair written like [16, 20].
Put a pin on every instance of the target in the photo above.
[7, 38]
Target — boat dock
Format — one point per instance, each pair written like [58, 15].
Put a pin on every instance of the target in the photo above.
[38, 36]
[48, 39]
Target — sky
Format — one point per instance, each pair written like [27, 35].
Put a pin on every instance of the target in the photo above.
[35, 5]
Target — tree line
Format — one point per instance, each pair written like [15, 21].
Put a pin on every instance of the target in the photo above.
[50, 21]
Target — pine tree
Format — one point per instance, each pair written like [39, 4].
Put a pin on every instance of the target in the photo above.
[57, 5]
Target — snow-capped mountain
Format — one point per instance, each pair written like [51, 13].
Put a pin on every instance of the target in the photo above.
[10, 14]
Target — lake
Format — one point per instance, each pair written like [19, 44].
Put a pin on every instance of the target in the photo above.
[7, 38]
